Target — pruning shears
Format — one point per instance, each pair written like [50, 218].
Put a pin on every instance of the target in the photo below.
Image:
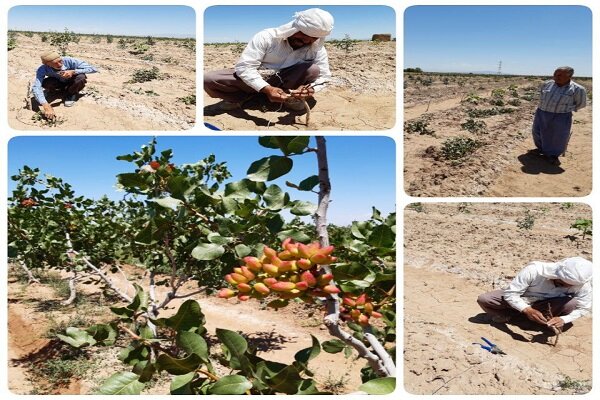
[491, 347]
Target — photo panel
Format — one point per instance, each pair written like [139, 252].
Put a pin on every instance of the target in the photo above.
[329, 67]
[101, 68]
[201, 264]
[491, 108]
[498, 298]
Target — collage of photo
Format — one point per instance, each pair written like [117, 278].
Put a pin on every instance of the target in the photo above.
[247, 245]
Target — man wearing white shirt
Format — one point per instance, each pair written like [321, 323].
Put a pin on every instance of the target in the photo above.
[296, 54]
[565, 285]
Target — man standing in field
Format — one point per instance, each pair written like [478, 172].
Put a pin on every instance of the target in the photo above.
[294, 51]
[559, 97]
[565, 285]
[59, 74]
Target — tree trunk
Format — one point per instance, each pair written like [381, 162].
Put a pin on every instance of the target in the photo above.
[331, 320]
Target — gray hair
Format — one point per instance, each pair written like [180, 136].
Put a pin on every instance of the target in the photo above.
[569, 70]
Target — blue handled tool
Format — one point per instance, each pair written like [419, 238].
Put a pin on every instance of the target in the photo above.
[491, 347]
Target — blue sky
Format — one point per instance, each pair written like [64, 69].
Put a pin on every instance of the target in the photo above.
[240, 23]
[528, 39]
[362, 169]
[168, 21]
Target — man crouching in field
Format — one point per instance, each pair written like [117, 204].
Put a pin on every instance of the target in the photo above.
[565, 285]
[294, 51]
[59, 74]
[559, 97]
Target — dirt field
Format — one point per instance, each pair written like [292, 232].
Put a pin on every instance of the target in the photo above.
[35, 310]
[108, 102]
[456, 251]
[360, 96]
[501, 166]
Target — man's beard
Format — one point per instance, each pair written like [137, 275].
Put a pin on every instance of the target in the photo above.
[295, 43]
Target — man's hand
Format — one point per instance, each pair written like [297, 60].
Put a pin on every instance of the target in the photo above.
[48, 111]
[535, 315]
[68, 74]
[275, 94]
[556, 322]
[303, 92]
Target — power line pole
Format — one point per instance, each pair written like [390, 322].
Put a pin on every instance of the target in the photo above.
[500, 67]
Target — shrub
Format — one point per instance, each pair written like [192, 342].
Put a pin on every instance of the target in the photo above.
[474, 126]
[63, 39]
[347, 44]
[122, 43]
[514, 102]
[471, 98]
[44, 37]
[584, 226]
[526, 222]
[144, 75]
[139, 48]
[456, 148]
[150, 41]
[109, 39]
[11, 42]
[188, 100]
[419, 126]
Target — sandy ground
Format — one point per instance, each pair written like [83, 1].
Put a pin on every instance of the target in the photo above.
[277, 335]
[108, 102]
[502, 166]
[360, 96]
[454, 252]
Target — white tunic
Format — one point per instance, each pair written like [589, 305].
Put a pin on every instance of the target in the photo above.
[534, 283]
[267, 51]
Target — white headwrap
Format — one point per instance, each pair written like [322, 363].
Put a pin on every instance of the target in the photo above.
[313, 22]
[574, 271]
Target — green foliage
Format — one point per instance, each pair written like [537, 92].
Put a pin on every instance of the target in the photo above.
[527, 221]
[109, 39]
[346, 44]
[12, 41]
[489, 112]
[63, 39]
[578, 386]
[184, 220]
[189, 44]
[44, 37]
[145, 75]
[188, 100]
[414, 70]
[418, 207]
[584, 226]
[514, 102]
[188, 358]
[457, 148]
[41, 118]
[472, 98]
[139, 48]
[149, 92]
[150, 41]
[498, 93]
[419, 126]
[473, 126]
[122, 44]
[238, 47]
